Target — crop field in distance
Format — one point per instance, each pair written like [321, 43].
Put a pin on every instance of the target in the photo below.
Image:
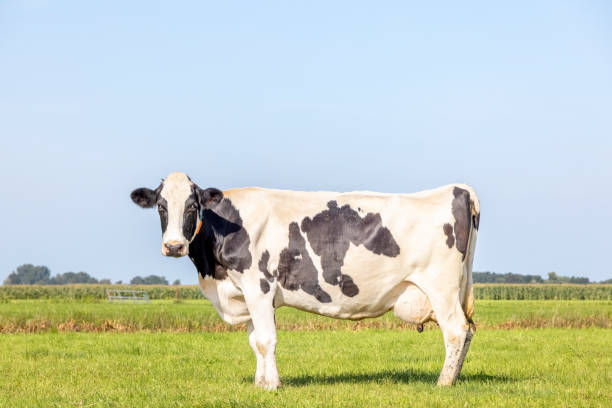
[70, 347]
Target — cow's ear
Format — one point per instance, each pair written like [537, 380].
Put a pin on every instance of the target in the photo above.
[144, 197]
[209, 197]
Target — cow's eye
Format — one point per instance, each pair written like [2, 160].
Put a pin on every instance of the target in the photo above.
[193, 206]
[161, 209]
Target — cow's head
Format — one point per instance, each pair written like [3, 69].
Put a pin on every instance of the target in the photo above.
[180, 203]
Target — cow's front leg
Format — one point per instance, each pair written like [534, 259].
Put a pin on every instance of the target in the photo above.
[262, 338]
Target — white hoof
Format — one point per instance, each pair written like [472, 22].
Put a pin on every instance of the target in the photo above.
[260, 381]
[269, 385]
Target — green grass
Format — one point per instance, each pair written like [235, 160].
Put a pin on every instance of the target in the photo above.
[534, 367]
[181, 354]
[199, 315]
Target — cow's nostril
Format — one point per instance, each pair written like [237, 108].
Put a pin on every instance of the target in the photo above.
[174, 249]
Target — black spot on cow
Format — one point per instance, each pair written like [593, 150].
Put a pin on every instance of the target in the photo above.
[475, 217]
[331, 231]
[202, 256]
[190, 216]
[450, 239]
[231, 240]
[263, 265]
[462, 214]
[264, 285]
[162, 209]
[222, 242]
[296, 269]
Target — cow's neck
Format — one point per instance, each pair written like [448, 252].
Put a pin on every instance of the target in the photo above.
[222, 243]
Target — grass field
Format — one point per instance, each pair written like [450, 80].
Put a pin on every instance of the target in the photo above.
[535, 367]
[527, 353]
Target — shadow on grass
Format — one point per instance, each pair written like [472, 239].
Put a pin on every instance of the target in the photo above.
[404, 376]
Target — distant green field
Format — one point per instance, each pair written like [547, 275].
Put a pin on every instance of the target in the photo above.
[481, 291]
[368, 368]
[199, 315]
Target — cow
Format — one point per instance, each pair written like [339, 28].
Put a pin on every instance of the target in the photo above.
[345, 255]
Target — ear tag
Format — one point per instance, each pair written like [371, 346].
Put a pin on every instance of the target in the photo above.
[201, 222]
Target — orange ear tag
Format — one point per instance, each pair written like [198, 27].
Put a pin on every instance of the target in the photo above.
[199, 226]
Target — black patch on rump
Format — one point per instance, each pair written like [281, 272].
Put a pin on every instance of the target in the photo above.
[295, 267]
[463, 221]
[475, 217]
[222, 242]
[331, 231]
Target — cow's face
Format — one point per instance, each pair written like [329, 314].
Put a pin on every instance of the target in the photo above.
[180, 203]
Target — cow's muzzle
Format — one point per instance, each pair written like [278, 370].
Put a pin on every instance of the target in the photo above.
[174, 248]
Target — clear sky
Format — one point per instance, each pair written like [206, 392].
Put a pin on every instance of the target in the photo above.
[98, 98]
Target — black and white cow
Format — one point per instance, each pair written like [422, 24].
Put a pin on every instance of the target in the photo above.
[345, 255]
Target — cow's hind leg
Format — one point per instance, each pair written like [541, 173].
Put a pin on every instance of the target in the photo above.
[456, 330]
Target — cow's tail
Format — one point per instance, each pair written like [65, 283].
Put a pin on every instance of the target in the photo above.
[467, 284]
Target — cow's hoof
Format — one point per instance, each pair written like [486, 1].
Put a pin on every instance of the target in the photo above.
[260, 382]
[445, 382]
[269, 385]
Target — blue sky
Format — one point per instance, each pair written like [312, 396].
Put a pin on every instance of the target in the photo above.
[98, 98]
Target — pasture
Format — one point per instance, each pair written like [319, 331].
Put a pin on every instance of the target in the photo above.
[71, 353]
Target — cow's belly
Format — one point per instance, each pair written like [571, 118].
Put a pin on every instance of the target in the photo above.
[380, 281]
[353, 308]
[378, 289]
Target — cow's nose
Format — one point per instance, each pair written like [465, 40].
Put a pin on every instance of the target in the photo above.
[174, 249]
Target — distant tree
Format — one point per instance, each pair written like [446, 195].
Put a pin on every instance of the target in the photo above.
[530, 278]
[72, 278]
[606, 281]
[492, 277]
[29, 274]
[119, 282]
[482, 277]
[105, 281]
[554, 278]
[513, 278]
[149, 280]
[579, 280]
[176, 282]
